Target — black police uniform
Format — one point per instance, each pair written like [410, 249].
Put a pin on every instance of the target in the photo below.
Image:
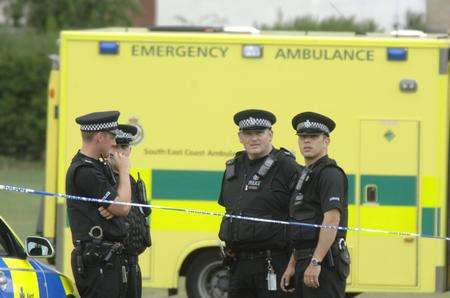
[257, 188]
[138, 236]
[321, 187]
[98, 262]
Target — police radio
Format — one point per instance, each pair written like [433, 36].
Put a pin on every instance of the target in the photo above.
[109, 171]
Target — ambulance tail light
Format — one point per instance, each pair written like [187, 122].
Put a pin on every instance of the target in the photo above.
[108, 48]
[397, 54]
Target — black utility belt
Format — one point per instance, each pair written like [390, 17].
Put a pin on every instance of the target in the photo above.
[105, 249]
[97, 253]
[339, 245]
[259, 254]
[105, 243]
[305, 255]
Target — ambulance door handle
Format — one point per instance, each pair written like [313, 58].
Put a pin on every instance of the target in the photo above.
[371, 194]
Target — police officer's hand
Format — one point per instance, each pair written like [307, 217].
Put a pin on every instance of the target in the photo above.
[285, 283]
[311, 276]
[105, 213]
[120, 161]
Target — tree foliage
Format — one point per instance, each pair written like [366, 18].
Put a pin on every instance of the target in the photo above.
[310, 23]
[53, 15]
[415, 21]
[24, 71]
[25, 67]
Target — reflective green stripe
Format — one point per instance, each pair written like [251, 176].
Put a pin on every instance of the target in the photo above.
[430, 221]
[186, 185]
[391, 190]
[201, 185]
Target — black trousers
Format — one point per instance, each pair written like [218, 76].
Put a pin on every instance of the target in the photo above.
[134, 289]
[99, 281]
[331, 284]
[248, 277]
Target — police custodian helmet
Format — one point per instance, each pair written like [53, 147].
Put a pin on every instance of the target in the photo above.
[312, 123]
[126, 134]
[254, 119]
[99, 121]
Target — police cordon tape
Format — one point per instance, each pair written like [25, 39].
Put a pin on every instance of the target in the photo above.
[218, 214]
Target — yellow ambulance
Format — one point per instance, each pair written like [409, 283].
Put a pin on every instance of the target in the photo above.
[388, 94]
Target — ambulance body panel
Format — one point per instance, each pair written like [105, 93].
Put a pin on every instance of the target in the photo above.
[389, 97]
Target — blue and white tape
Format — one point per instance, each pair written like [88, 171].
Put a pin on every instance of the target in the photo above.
[218, 214]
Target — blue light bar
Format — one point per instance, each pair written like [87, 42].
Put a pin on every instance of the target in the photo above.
[397, 54]
[108, 48]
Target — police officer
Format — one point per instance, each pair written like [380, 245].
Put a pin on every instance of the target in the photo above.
[257, 182]
[98, 262]
[320, 259]
[138, 238]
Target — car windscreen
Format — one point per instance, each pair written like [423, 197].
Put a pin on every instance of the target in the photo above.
[5, 250]
[9, 246]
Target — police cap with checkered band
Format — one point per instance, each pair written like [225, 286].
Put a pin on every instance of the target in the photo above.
[312, 123]
[254, 119]
[99, 121]
[126, 134]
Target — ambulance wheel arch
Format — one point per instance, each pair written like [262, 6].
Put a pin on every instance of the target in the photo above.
[205, 274]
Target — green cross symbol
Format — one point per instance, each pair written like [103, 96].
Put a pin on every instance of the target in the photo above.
[389, 135]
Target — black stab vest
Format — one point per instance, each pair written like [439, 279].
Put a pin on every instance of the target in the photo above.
[305, 205]
[138, 238]
[249, 194]
[84, 215]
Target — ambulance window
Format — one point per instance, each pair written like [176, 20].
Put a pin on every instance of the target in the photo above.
[371, 194]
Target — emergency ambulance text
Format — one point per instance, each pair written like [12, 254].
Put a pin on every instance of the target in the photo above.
[325, 54]
[181, 51]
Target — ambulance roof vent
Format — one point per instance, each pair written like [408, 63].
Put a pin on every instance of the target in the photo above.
[408, 33]
[205, 29]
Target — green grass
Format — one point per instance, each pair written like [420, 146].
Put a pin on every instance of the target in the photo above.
[21, 211]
